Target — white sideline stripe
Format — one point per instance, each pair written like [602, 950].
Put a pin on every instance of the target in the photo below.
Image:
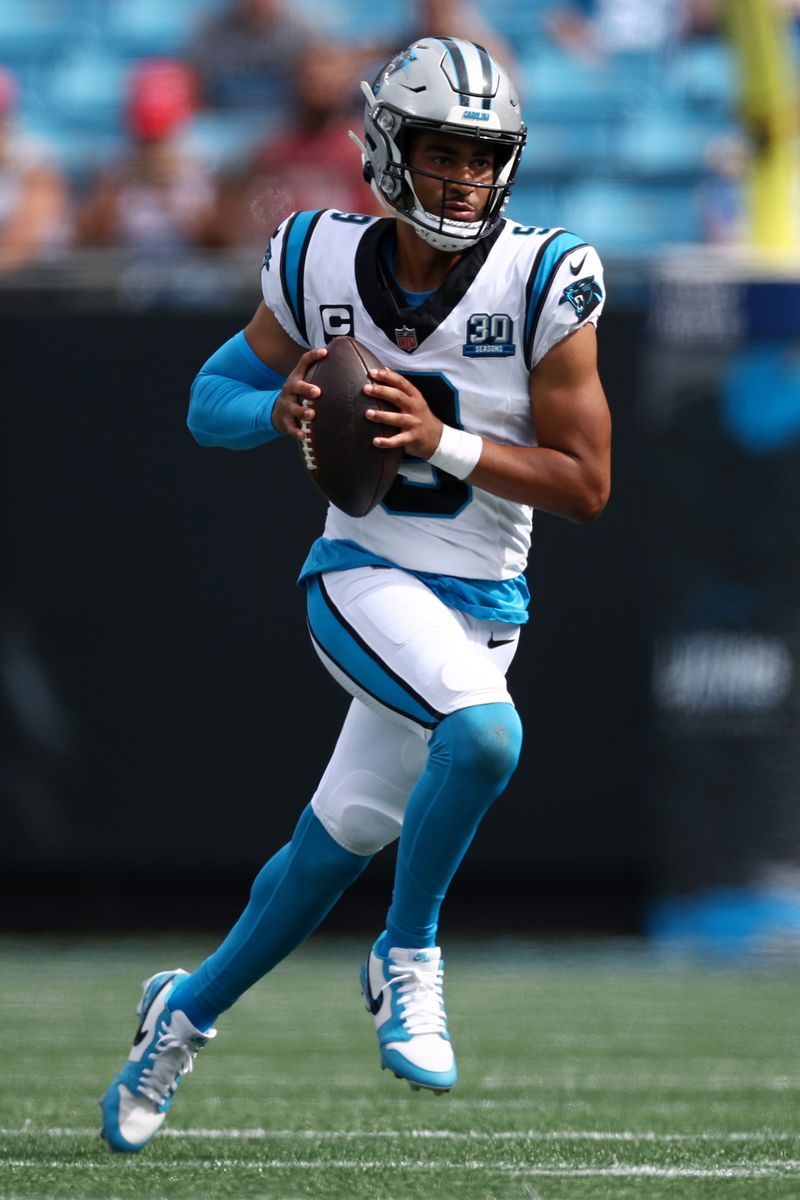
[628, 1083]
[542, 1083]
[770, 1170]
[350, 1135]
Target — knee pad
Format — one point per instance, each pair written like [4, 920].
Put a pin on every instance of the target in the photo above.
[362, 796]
[356, 817]
[485, 739]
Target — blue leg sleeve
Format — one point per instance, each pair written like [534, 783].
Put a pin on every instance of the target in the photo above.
[473, 754]
[290, 896]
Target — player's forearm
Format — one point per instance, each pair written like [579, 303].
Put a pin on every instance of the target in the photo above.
[232, 399]
[555, 481]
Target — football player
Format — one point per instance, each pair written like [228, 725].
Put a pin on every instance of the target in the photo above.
[487, 330]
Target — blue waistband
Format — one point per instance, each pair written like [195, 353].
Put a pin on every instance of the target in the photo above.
[485, 599]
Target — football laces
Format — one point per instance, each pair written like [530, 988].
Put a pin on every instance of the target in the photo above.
[309, 457]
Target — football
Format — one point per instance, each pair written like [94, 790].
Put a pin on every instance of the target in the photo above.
[337, 448]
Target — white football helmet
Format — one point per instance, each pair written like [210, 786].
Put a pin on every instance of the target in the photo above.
[445, 84]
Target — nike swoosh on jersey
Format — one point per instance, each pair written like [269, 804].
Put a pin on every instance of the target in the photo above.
[577, 270]
[492, 643]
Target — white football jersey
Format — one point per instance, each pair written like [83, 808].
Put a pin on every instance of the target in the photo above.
[469, 348]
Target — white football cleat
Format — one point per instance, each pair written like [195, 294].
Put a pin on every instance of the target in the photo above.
[404, 994]
[163, 1051]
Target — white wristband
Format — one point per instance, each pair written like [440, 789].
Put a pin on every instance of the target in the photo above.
[457, 453]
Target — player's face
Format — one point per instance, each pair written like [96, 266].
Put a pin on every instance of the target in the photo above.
[452, 174]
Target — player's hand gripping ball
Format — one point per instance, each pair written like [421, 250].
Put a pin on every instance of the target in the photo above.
[337, 447]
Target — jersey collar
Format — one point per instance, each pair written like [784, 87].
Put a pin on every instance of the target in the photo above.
[382, 297]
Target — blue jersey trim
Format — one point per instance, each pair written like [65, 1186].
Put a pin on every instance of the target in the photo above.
[293, 261]
[505, 600]
[544, 268]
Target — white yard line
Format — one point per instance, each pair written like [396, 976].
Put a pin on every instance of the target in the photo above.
[527, 1135]
[513, 1085]
[627, 1083]
[767, 1170]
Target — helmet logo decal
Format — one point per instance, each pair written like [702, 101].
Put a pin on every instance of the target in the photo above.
[400, 62]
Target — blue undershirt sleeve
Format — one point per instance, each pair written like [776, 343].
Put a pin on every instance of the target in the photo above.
[232, 398]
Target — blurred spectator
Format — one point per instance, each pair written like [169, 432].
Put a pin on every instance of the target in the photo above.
[314, 165]
[721, 193]
[33, 194]
[242, 56]
[441, 18]
[157, 197]
[457, 18]
[597, 28]
[702, 18]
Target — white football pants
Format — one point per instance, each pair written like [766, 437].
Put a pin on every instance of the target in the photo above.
[408, 660]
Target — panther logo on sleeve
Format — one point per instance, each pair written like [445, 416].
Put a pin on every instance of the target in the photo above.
[584, 295]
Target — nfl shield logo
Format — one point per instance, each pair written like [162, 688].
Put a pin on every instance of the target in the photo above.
[406, 338]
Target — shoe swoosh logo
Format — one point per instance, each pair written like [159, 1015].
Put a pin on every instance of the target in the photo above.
[577, 270]
[144, 1029]
[493, 642]
[374, 1005]
[141, 1034]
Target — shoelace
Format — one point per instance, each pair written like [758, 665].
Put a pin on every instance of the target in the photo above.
[172, 1059]
[420, 997]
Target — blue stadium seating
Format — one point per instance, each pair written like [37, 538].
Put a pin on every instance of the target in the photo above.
[86, 87]
[562, 87]
[223, 139]
[667, 143]
[617, 217]
[145, 28]
[617, 150]
[536, 203]
[563, 148]
[703, 75]
[30, 31]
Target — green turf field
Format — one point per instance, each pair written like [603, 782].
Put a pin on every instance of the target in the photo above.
[601, 1072]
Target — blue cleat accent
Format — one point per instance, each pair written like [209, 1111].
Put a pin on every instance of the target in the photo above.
[163, 1051]
[404, 994]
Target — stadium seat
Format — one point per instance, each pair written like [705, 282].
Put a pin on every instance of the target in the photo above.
[143, 28]
[223, 139]
[31, 31]
[702, 74]
[560, 86]
[82, 152]
[619, 216]
[564, 148]
[536, 203]
[666, 142]
[87, 87]
[356, 20]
